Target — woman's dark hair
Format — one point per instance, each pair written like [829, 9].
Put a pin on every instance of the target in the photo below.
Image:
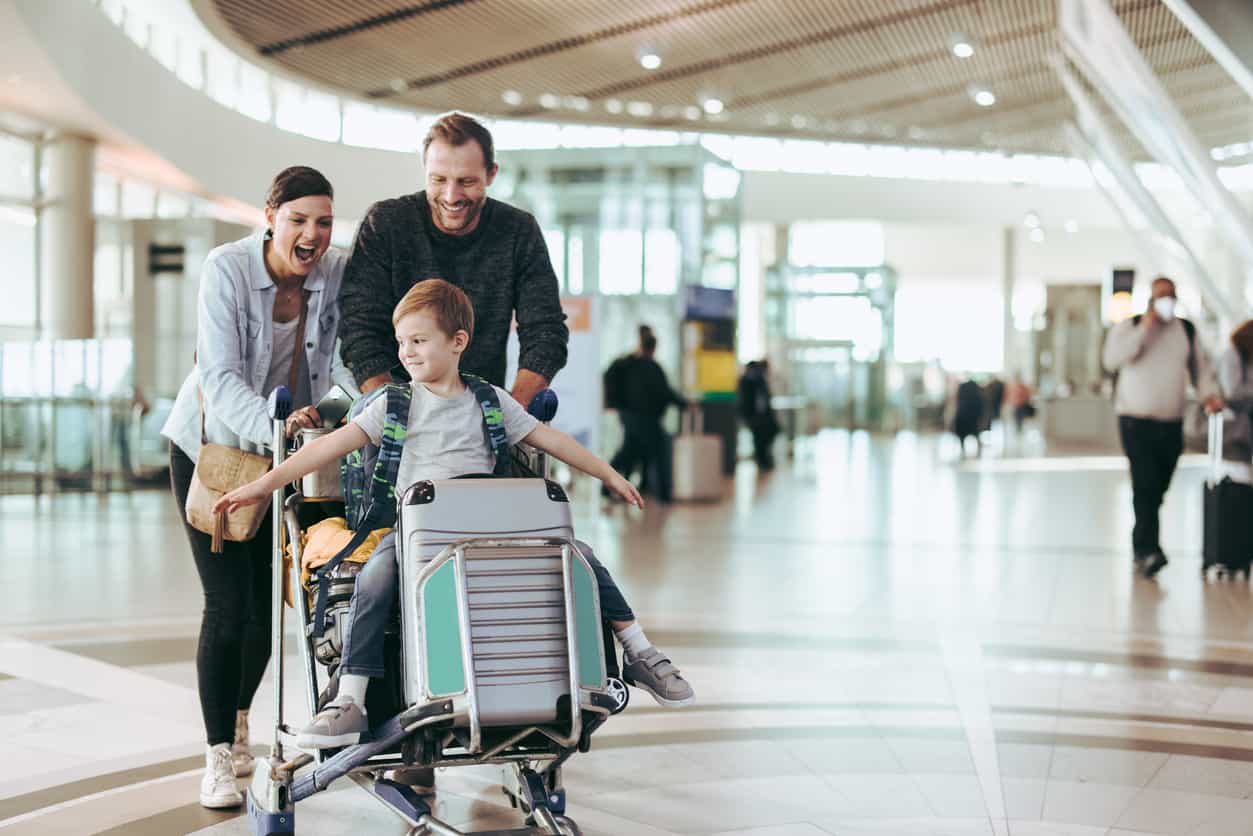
[296, 182]
[1242, 339]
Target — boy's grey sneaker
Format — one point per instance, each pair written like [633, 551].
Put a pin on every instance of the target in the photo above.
[335, 725]
[657, 675]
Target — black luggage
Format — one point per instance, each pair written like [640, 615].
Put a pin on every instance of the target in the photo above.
[1228, 519]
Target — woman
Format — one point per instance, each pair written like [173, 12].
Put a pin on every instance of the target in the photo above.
[252, 293]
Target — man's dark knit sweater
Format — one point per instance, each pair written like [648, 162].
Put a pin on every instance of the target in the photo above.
[503, 266]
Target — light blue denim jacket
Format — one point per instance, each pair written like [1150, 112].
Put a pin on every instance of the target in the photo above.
[234, 338]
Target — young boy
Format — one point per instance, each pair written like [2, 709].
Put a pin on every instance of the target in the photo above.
[434, 322]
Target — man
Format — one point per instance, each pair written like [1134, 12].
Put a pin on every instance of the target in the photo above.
[637, 387]
[452, 230]
[1156, 356]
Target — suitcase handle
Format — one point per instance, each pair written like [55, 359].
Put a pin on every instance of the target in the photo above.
[1215, 445]
[693, 422]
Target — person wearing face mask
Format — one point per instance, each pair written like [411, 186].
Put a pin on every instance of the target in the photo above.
[1156, 357]
[268, 314]
[492, 251]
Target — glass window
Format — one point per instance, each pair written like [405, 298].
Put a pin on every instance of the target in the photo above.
[574, 263]
[17, 167]
[380, 127]
[104, 195]
[222, 83]
[253, 98]
[555, 239]
[139, 200]
[835, 244]
[17, 242]
[661, 261]
[621, 259]
[304, 111]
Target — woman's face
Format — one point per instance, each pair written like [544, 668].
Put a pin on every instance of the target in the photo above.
[302, 232]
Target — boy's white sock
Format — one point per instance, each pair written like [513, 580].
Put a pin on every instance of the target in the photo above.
[633, 640]
[352, 686]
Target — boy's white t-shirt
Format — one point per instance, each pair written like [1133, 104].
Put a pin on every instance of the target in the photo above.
[445, 436]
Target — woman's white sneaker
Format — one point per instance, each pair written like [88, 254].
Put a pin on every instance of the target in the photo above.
[217, 787]
[241, 753]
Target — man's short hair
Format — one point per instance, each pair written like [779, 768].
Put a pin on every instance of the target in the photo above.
[457, 128]
[444, 301]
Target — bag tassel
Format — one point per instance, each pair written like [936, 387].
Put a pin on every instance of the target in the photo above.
[219, 533]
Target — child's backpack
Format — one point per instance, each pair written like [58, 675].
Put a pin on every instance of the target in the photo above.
[369, 474]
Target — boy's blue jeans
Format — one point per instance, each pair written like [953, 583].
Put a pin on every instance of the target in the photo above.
[375, 597]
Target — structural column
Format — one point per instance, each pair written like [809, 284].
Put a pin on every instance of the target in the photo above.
[67, 239]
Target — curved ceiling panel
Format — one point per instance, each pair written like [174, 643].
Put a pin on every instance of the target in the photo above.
[858, 70]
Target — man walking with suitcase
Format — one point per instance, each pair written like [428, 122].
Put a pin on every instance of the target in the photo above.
[1155, 356]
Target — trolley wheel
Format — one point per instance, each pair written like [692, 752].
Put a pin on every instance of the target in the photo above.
[568, 827]
[621, 694]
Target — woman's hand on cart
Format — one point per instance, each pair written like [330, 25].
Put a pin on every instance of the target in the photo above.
[301, 419]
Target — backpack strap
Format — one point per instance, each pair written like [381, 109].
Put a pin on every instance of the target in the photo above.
[1190, 330]
[380, 512]
[493, 421]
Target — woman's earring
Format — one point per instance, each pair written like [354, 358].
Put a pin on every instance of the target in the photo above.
[269, 234]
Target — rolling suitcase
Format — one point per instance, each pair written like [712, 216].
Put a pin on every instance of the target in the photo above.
[697, 461]
[1228, 519]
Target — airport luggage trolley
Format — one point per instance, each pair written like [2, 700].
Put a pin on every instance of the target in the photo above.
[502, 658]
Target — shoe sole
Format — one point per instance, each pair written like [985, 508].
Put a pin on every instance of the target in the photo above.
[219, 802]
[327, 741]
[665, 701]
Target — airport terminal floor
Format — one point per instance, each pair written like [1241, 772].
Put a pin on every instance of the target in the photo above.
[883, 641]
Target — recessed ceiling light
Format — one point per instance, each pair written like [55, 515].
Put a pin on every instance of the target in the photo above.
[771, 119]
[691, 113]
[511, 97]
[963, 45]
[399, 85]
[639, 108]
[550, 101]
[576, 103]
[983, 96]
[1037, 235]
[613, 105]
[712, 105]
[799, 122]
[1031, 220]
[649, 60]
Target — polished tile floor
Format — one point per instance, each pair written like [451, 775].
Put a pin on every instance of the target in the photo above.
[883, 641]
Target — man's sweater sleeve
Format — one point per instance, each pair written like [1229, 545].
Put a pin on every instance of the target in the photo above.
[366, 303]
[1123, 345]
[542, 332]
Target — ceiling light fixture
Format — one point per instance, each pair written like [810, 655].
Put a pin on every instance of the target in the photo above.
[550, 101]
[1031, 220]
[712, 105]
[613, 105]
[962, 45]
[648, 59]
[1037, 235]
[511, 97]
[982, 96]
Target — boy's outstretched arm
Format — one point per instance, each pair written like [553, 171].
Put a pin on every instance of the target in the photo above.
[562, 446]
[307, 459]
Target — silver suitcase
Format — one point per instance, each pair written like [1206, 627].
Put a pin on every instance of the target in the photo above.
[518, 619]
[697, 462]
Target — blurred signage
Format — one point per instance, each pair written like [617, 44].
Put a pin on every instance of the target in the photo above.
[706, 303]
[165, 258]
[1124, 280]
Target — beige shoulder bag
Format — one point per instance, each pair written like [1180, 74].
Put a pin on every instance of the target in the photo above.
[221, 469]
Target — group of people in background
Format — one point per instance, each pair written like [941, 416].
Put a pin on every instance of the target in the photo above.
[973, 409]
[637, 388]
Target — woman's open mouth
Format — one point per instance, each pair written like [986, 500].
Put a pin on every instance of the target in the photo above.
[306, 255]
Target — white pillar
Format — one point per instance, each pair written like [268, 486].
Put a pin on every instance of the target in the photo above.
[67, 236]
[1009, 266]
